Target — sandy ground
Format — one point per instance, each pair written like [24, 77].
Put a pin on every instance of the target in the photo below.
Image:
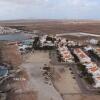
[66, 84]
[79, 34]
[22, 91]
[35, 87]
[68, 87]
[36, 80]
[82, 97]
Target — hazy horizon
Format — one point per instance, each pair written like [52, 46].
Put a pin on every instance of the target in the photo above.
[45, 19]
[49, 9]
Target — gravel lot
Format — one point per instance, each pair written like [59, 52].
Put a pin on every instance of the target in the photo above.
[34, 66]
[66, 84]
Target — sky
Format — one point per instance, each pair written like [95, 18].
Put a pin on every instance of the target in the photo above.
[49, 9]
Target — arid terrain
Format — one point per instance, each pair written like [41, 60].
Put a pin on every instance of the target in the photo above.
[55, 26]
[36, 87]
[37, 74]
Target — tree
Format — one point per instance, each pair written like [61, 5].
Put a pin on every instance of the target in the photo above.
[89, 78]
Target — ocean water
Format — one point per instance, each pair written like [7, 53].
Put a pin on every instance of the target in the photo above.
[14, 37]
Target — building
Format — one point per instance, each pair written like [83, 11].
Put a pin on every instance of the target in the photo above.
[95, 71]
[81, 56]
[65, 54]
[90, 66]
[88, 48]
[97, 51]
[46, 40]
[93, 41]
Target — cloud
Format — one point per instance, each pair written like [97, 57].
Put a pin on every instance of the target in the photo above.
[16, 9]
[83, 9]
[25, 2]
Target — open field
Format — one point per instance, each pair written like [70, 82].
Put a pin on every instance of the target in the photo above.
[62, 87]
[34, 66]
[55, 26]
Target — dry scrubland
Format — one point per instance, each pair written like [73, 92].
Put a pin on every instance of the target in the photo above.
[9, 54]
[36, 87]
[55, 26]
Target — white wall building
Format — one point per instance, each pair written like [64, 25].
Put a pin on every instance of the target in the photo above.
[90, 66]
[65, 53]
[81, 56]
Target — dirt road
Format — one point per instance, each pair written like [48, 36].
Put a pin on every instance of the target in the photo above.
[34, 67]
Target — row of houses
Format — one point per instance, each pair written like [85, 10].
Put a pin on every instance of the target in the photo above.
[81, 56]
[61, 44]
[65, 54]
[64, 41]
[97, 51]
[90, 66]
[23, 46]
